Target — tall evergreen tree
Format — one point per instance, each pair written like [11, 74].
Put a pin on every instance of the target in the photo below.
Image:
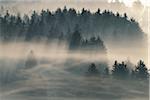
[75, 41]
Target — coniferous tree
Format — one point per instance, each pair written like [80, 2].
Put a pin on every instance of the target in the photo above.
[75, 41]
[120, 70]
[62, 20]
[141, 71]
[31, 60]
[92, 69]
[125, 16]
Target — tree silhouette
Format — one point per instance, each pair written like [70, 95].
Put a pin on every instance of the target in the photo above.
[120, 70]
[141, 71]
[75, 40]
[31, 60]
[125, 16]
[92, 69]
[62, 20]
[94, 44]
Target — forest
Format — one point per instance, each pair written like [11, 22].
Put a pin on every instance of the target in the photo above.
[122, 70]
[85, 31]
[72, 55]
[63, 22]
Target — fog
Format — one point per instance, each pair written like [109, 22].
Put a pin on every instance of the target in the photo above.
[60, 75]
[59, 51]
[50, 51]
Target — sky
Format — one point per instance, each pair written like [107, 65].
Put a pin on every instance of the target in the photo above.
[129, 2]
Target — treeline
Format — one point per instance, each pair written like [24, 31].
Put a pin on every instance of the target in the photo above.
[94, 43]
[122, 70]
[63, 22]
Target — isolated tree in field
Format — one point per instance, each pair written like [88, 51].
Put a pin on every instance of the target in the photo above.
[31, 60]
[92, 69]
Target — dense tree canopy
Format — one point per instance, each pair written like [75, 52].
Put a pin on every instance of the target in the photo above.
[120, 70]
[51, 25]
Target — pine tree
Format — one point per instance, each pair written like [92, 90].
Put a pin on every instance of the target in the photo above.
[31, 60]
[75, 41]
[92, 69]
[125, 16]
[120, 70]
[141, 70]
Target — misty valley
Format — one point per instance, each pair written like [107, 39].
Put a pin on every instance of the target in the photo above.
[70, 55]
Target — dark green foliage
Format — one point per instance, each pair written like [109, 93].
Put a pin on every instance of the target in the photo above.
[92, 69]
[94, 44]
[50, 25]
[75, 40]
[120, 70]
[31, 60]
[125, 16]
[141, 71]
